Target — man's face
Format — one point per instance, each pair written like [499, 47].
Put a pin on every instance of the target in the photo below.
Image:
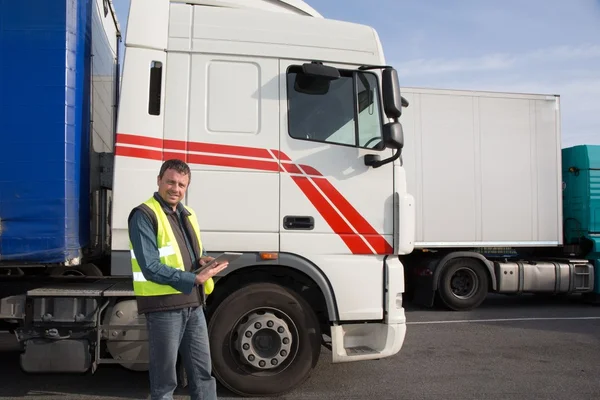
[172, 186]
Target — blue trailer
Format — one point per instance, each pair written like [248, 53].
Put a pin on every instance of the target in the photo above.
[59, 80]
[59, 86]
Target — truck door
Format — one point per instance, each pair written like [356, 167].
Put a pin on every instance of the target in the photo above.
[336, 211]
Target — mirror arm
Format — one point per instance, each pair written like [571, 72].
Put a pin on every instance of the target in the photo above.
[373, 160]
[371, 67]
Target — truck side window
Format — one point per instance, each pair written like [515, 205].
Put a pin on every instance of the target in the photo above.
[369, 116]
[327, 112]
[155, 88]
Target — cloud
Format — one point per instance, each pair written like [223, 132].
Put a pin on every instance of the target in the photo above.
[443, 66]
[570, 71]
[585, 51]
[499, 61]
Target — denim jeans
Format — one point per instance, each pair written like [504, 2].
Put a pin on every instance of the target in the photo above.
[183, 331]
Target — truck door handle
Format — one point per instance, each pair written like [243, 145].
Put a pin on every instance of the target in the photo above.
[298, 222]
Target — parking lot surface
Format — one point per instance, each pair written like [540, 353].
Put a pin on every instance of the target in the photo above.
[510, 348]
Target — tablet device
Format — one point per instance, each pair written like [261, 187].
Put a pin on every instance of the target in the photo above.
[228, 256]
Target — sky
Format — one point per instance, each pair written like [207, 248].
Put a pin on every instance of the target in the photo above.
[533, 46]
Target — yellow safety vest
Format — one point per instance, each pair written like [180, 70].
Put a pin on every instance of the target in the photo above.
[170, 254]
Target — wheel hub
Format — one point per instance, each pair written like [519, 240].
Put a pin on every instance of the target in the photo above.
[264, 340]
[464, 283]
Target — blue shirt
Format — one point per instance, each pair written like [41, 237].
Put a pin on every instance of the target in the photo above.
[143, 239]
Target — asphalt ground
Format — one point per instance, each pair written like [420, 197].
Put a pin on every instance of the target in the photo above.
[509, 348]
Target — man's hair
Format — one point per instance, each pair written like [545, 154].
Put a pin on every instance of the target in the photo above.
[177, 165]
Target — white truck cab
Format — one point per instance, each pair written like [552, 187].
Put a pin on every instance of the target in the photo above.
[290, 122]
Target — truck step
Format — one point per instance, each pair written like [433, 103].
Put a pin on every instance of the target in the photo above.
[102, 287]
[88, 289]
[120, 289]
[360, 350]
[358, 342]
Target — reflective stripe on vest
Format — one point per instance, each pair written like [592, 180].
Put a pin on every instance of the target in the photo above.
[169, 254]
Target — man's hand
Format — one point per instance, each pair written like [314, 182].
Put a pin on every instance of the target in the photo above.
[210, 272]
[205, 260]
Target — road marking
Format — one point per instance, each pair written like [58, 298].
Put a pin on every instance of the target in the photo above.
[463, 321]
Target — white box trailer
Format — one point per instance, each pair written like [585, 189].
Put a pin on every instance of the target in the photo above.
[485, 171]
[484, 168]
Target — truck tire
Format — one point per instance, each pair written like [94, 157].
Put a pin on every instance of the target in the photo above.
[463, 284]
[264, 340]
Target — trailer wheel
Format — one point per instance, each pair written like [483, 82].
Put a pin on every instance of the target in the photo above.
[463, 284]
[264, 340]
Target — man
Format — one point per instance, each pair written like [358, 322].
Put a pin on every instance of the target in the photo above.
[166, 246]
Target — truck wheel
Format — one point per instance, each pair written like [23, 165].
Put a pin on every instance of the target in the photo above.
[264, 340]
[463, 284]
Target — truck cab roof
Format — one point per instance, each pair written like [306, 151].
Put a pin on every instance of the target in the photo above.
[279, 29]
[283, 6]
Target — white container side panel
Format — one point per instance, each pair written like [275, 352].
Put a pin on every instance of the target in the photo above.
[484, 168]
[233, 125]
[549, 161]
[104, 45]
[148, 24]
[235, 32]
[222, 116]
[279, 6]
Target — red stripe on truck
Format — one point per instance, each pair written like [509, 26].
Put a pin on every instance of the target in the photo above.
[125, 138]
[308, 180]
[280, 156]
[362, 226]
[229, 150]
[138, 153]
[221, 161]
[333, 218]
[171, 144]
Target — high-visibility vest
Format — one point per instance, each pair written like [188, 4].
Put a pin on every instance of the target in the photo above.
[169, 254]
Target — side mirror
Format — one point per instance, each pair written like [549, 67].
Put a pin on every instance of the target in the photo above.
[393, 138]
[392, 100]
[315, 78]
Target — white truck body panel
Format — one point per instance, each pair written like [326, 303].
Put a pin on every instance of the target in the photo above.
[103, 85]
[460, 146]
[242, 32]
[281, 6]
[225, 108]
[350, 202]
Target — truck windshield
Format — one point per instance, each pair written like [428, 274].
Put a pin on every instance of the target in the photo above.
[348, 113]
